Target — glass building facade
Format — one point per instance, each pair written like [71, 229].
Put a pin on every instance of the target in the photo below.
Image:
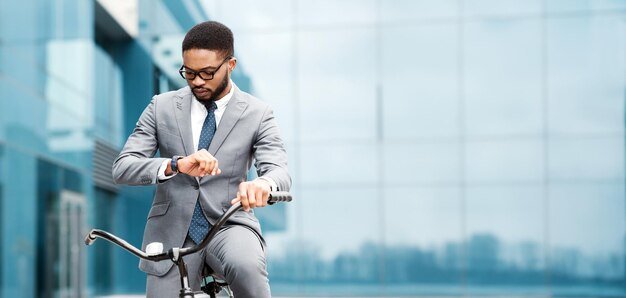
[450, 147]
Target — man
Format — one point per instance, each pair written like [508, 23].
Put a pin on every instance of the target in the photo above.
[208, 134]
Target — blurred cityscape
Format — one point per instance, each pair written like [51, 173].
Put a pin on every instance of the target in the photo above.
[490, 263]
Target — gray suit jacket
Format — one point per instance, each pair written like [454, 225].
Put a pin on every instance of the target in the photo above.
[247, 132]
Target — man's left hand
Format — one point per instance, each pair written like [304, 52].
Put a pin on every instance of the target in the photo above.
[253, 194]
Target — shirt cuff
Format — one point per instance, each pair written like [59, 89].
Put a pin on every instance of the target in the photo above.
[273, 186]
[161, 174]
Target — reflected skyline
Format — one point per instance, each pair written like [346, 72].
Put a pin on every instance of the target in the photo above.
[488, 261]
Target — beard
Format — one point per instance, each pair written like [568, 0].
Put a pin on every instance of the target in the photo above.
[213, 95]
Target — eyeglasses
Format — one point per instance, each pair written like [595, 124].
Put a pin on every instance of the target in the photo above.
[190, 75]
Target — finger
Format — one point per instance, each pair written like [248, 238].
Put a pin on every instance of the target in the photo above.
[261, 200]
[251, 195]
[243, 196]
[215, 168]
[219, 171]
[201, 164]
[210, 162]
[234, 201]
[211, 167]
[266, 195]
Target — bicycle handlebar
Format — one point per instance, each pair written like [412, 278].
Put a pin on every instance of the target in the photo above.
[175, 253]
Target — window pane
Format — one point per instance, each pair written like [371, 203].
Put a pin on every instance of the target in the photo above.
[3, 180]
[587, 228]
[502, 7]
[338, 165]
[586, 78]
[267, 60]
[422, 163]
[337, 85]
[24, 65]
[28, 132]
[404, 10]
[251, 14]
[420, 81]
[505, 239]
[583, 5]
[423, 241]
[503, 77]
[345, 241]
[336, 12]
[587, 159]
[517, 160]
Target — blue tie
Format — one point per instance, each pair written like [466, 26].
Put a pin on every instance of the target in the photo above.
[199, 224]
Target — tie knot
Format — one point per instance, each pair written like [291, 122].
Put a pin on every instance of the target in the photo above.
[210, 106]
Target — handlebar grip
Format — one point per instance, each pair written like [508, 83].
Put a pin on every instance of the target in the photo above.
[279, 196]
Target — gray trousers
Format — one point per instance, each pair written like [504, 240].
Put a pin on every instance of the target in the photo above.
[236, 253]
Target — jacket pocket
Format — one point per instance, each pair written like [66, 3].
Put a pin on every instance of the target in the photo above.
[158, 209]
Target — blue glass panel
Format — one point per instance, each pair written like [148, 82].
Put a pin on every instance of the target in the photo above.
[502, 7]
[107, 98]
[102, 266]
[65, 19]
[506, 239]
[420, 81]
[586, 74]
[587, 232]
[331, 12]
[20, 22]
[24, 116]
[508, 160]
[422, 163]
[343, 243]
[406, 10]
[337, 164]
[286, 248]
[587, 159]
[35, 21]
[337, 89]
[251, 14]
[423, 231]
[2, 215]
[502, 79]
[584, 5]
[19, 223]
[155, 20]
[24, 65]
[267, 60]
[70, 67]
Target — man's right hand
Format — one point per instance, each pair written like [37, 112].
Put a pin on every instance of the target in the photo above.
[199, 164]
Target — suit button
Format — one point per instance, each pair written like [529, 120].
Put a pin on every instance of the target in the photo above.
[195, 186]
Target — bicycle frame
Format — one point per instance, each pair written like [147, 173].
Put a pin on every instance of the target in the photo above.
[176, 254]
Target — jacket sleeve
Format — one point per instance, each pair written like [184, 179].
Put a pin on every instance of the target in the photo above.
[269, 152]
[136, 164]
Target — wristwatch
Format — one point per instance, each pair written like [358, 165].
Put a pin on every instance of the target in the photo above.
[174, 163]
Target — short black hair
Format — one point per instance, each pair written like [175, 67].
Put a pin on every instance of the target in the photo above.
[210, 35]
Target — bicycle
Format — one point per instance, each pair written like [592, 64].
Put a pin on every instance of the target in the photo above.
[155, 253]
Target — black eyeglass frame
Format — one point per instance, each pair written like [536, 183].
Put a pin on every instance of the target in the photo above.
[205, 75]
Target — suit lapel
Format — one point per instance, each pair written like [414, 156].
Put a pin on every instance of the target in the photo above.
[183, 118]
[233, 113]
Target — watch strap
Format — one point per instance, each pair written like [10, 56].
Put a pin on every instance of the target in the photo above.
[174, 163]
